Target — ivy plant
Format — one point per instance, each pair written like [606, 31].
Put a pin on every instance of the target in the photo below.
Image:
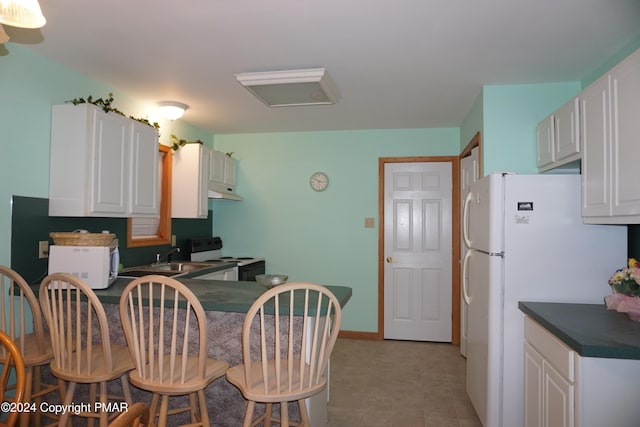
[176, 142]
[107, 107]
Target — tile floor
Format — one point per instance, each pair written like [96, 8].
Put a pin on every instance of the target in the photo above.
[398, 384]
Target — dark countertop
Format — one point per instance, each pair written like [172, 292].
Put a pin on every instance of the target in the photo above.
[589, 329]
[216, 295]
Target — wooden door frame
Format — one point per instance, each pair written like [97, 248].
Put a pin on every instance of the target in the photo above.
[455, 236]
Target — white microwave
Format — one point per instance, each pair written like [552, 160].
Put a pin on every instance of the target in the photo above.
[95, 265]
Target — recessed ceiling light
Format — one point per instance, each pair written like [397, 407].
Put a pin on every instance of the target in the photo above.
[291, 87]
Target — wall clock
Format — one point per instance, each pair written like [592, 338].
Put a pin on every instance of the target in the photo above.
[319, 181]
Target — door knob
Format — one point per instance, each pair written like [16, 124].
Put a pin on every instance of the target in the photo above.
[389, 259]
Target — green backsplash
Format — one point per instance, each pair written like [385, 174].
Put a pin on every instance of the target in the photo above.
[31, 223]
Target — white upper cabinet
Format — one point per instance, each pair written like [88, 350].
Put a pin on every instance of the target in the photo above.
[544, 141]
[222, 172]
[558, 137]
[101, 164]
[611, 144]
[190, 175]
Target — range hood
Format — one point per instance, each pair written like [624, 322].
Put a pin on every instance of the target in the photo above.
[218, 192]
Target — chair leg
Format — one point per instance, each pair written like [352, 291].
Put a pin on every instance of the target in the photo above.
[28, 391]
[268, 414]
[64, 418]
[304, 416]
[284, 414]
[153, 409]
[248, 416]
[204, 410]
[104, 415]
[126, 389]
[164, 411]
[193, 409]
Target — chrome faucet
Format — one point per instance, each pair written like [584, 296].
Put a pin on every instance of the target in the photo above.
[167, 255]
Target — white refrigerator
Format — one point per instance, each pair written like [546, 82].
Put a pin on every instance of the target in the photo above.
[526, 242]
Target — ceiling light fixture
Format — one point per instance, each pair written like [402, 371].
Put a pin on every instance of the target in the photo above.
[21, 13]
[291, 87]
[172, 110]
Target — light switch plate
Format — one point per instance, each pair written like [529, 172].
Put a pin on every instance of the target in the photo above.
[43, 249]
[173, 240]
[369, 222]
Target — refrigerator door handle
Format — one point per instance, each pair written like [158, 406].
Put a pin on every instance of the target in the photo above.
[465, 219]
[465, 281]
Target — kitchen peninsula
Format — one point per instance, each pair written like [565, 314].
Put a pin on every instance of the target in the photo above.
[225, 303]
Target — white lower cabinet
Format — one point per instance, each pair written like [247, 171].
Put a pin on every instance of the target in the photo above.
[549, 379]
[230, 274]
[564, 389]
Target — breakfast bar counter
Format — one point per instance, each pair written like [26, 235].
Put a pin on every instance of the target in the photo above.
[225, 303]
[216, 295]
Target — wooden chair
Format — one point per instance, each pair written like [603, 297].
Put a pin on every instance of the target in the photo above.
[296, 328]
[12, 378]
[168, 345]
[82, 351]
[18, 306]
[137, 415]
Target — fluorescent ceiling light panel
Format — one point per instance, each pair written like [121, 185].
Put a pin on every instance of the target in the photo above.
[291, 87]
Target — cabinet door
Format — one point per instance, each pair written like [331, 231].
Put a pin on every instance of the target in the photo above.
[625, 136]
[566, 129]
[544, 139]
[109, 171]
[144, 171]
[558, 404]
[216, 167]
[532, 387]
[595, 134]
[203, 188]
[229, 171]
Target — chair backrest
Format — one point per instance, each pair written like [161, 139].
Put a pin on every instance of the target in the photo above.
[136, 415]
[153, 308]
[19, 306]
[12, 378]
[77, 322]
[298, 324]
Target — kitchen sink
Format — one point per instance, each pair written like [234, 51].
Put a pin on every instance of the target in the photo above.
[164, 269]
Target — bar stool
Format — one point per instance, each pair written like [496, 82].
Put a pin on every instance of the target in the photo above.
[82, 351]
[12, 377]
[18, 304]
[169, 346]
[296, 326]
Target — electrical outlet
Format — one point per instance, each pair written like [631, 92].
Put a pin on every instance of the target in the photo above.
[369, 222]
[43, 249]
[173, 240]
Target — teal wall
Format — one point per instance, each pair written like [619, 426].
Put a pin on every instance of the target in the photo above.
[472, 123]
[30, 84]
[310, 236]
[307, 235]
[510, 116]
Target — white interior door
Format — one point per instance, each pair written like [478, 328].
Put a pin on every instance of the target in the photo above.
[468, 175]
[418, 248]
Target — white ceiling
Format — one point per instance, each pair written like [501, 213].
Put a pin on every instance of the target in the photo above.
[396, 63]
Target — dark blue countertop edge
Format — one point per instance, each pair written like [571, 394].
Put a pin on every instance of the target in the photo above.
[589, 329]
